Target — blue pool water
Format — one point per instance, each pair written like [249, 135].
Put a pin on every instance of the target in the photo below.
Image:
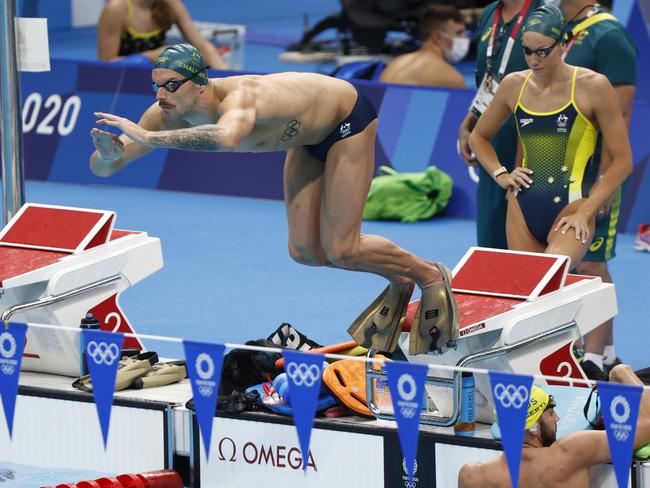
[21, 476]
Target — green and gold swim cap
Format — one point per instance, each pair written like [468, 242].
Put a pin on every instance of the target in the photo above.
[186, 60]
[547, 20]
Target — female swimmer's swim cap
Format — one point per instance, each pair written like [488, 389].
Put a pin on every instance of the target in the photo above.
[186, 60]
[547, 20]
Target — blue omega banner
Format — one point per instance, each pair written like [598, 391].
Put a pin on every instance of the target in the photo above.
[304, 373]
[204, 362]
[620, 406]
[406, 385]
[12, 343]
[511, 394]
[103, 352]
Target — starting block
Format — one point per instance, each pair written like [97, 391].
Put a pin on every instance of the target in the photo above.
[519, 312]
[57, 264]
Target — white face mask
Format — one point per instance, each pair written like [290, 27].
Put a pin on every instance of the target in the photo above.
[458, 51]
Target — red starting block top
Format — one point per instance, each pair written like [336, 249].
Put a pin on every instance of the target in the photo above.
[15, 261]
[514, 274]
[474, 310]
[63, 229]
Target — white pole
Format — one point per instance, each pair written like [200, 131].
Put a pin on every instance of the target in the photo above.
[13, 181]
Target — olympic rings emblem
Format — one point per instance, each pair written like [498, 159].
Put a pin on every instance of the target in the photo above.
[303, 374]
[103, 353]
[206, 390]
[201, 360]
[8, 369]
[292, 130]
[407, 412]
[511, 395]
[7, 338]
[408, 393]
[621, 435]
[623, 417]
[410, 484]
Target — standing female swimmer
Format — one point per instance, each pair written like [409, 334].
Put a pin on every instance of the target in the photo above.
[558, 110]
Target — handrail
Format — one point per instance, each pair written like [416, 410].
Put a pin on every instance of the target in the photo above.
[42, 302]
[455, 382]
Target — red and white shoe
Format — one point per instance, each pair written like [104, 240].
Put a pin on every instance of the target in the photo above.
[642, 242]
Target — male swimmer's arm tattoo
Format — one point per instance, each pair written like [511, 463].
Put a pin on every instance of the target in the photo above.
[199, 138]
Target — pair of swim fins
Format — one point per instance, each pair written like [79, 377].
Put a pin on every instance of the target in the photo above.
[140, 371]
[436, 321]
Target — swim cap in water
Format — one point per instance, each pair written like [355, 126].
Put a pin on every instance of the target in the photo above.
[539, 402]
[186, 60]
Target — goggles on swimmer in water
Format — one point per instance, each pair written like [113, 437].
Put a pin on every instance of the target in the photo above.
[171, 85]
[551, 403]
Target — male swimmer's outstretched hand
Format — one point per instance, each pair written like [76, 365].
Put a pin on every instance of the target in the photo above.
[108, 145]
[131, 129]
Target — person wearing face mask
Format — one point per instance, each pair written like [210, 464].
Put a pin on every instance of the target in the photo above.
[442, 33]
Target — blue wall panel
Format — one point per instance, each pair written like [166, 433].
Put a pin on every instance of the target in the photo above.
[391, 114]
[424, 114]
[445, 155]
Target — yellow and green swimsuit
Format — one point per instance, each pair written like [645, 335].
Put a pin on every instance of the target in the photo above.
[558, 146]
[133, 42]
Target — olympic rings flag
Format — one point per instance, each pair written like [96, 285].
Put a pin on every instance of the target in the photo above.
[620, 407]
[304, 373]
[12, 343]
[406, 385]
[204, 363]
[511, 394]
[103, 353]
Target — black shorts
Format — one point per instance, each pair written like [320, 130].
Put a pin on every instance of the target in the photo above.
[362, 114]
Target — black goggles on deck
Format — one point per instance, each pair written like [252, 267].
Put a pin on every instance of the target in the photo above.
[542, 53]
[171, 85]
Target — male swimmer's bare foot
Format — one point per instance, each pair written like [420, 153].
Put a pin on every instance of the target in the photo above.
[379, 326]
[436, 320]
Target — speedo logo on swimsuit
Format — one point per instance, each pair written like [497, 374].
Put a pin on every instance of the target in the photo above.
[525, 122]
[345, 129]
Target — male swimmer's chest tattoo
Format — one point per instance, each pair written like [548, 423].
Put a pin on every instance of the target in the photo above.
[291, 130]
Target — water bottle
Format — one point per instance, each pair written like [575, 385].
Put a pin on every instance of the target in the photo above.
[467, 421]
[88, 322]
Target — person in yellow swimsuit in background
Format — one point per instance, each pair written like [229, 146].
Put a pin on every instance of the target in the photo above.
[559, 110]
[127, 27]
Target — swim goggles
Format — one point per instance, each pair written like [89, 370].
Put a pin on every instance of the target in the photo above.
[542, 53]
[172, 85]
[551, 403]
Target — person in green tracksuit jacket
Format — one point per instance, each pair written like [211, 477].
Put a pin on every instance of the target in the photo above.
[597, 40]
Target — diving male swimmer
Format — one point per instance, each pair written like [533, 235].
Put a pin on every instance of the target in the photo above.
[328, 130]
